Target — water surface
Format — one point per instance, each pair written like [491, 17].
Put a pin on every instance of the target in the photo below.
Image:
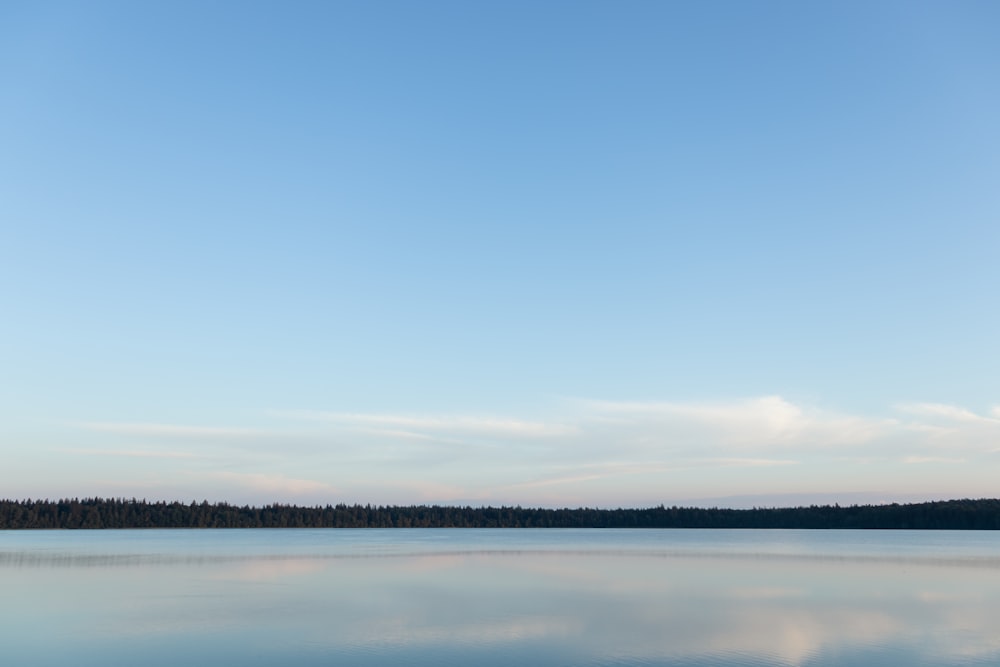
[493, 597]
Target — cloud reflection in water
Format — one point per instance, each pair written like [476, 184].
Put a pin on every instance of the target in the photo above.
[607, 600]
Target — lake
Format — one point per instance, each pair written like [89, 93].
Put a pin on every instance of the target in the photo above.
[427, 597]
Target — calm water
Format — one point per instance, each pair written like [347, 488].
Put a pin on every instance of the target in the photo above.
[496, 597]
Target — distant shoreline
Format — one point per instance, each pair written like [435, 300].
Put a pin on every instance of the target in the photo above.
[105, 513]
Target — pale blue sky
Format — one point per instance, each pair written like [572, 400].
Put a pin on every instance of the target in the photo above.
[540, 253]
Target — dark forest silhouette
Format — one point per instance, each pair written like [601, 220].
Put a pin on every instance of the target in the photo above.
[983, 514]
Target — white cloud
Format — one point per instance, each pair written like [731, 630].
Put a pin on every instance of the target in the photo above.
[131, 453]
[751, 463]
[952, 428]
[768, 420]
[949, 412]
[931, 459]
[272, 483]
[553, 481]
[156, 429]
[488, 426]
[580, 451]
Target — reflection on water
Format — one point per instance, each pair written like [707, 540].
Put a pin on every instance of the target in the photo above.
[540, 597]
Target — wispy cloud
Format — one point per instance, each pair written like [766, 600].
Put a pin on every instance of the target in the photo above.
[157, 429]
[750, 463]
[130, 453]
[951, 428]
[609, 470]
[488, 426]
[578, 450]
[931, 459]
[949, 412]
[767, 420]
[554, 481]
[272, 483]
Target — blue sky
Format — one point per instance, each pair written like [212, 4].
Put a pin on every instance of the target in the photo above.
[562, 253]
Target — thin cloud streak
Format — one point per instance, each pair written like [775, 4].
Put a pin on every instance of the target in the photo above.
[180, 430]
[461, 424]
[582, 451]
[767, 420]
[130, 453]
[556, 481]
[931, 459]
[750, 463]
[949, 412]
[272, 483]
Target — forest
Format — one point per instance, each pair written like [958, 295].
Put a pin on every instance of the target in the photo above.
[98, 513]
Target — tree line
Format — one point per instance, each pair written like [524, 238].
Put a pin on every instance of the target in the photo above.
[96, 513]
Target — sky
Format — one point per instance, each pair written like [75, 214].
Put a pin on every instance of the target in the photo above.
[601, 254]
